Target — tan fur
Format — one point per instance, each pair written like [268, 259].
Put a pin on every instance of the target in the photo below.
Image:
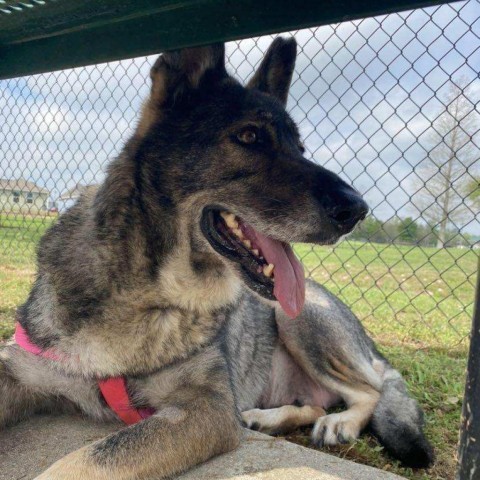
[73, 393]
[346, 426]
[181, 286]
[76, 464]
[134, 282]
[157, 457]
[282, 419]
[139, 323]
[145, 336]
[195, 420]
[148, 116]
[358, 385]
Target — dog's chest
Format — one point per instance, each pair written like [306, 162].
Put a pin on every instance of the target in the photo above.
[143, 343]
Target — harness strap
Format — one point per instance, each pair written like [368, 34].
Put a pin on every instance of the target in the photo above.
[114, 390]
[22, 340]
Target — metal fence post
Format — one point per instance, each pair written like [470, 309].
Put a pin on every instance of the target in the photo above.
[469, 449]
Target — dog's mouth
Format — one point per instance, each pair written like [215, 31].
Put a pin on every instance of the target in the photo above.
[268, 266]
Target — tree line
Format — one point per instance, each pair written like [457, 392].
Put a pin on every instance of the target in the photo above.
[408, 231]
[446, 187]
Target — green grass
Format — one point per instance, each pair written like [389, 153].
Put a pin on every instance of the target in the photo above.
[415, 302]
[435, 378]
[18, 239]
[418, 296]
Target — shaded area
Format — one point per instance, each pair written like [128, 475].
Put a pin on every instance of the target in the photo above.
[429, 354]
[30, 447]
[44, 36]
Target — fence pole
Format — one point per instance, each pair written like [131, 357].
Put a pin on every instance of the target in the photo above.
[469, 448]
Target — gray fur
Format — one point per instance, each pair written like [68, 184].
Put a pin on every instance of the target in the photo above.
[129, 285]
[398, 422]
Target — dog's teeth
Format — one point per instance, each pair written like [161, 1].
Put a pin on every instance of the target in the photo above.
[238, 233]
[268, 269]
[229, 219]
[256, 252]
[232, 223]
[247, 243]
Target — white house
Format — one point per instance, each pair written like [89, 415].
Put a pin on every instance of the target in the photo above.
[68, 198]
[21, 196]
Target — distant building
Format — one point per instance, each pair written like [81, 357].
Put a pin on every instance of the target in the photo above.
[68, 198]
[22, 196]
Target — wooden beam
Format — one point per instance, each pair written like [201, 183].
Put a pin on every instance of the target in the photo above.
[53, 35]
[469, 448]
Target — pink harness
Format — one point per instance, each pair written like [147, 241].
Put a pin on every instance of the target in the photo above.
[114, 390]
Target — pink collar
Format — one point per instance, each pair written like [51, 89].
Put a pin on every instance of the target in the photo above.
[114, 390]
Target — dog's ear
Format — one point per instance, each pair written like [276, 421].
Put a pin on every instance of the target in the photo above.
[275, 72]
[177, 72]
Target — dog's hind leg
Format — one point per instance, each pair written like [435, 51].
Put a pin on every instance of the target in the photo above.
[294, 382]
[329, 345]
[281, 419]
[345, 427]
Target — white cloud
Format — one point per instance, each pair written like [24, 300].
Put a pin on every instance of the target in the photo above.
[364, 94]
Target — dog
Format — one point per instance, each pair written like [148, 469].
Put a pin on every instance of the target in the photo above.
[176, 277]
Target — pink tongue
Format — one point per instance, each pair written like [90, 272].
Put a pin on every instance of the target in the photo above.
[289, 287]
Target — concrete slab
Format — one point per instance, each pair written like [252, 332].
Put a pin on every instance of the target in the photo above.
[30, 447]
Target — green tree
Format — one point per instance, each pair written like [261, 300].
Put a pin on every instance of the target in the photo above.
[427, 235]
[408, 230]
[441, 192]
[474, 191]
[371, 229]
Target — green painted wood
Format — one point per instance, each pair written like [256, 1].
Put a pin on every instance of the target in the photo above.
[58, 34]
[469, 447]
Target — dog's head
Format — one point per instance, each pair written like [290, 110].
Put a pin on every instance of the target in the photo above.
[230, 161]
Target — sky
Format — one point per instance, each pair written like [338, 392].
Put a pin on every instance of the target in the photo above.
[365, 95]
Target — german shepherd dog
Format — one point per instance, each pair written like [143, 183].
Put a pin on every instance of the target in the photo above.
[176, 274]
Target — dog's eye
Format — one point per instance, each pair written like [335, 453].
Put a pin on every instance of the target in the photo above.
[301, 148]
[248, 136]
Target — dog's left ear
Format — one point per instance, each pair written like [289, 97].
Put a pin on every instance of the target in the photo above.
[176, 74]
[179, 71]
[275, 72]
[192, 64]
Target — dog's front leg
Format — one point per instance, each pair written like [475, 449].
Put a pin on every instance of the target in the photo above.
[195, 420]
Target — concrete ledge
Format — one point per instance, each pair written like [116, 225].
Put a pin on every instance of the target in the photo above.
[30, 447]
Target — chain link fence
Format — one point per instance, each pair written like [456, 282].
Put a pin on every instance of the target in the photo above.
[390, 103]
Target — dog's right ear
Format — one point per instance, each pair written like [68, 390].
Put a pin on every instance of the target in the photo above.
[176, 73]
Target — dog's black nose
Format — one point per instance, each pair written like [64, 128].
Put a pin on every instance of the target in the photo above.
[344, 207]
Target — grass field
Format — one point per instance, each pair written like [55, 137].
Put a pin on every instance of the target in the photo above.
[416, 303]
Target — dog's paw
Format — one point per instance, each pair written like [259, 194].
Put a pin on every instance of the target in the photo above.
[334, 429]
[281, 419]
[260, 420]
